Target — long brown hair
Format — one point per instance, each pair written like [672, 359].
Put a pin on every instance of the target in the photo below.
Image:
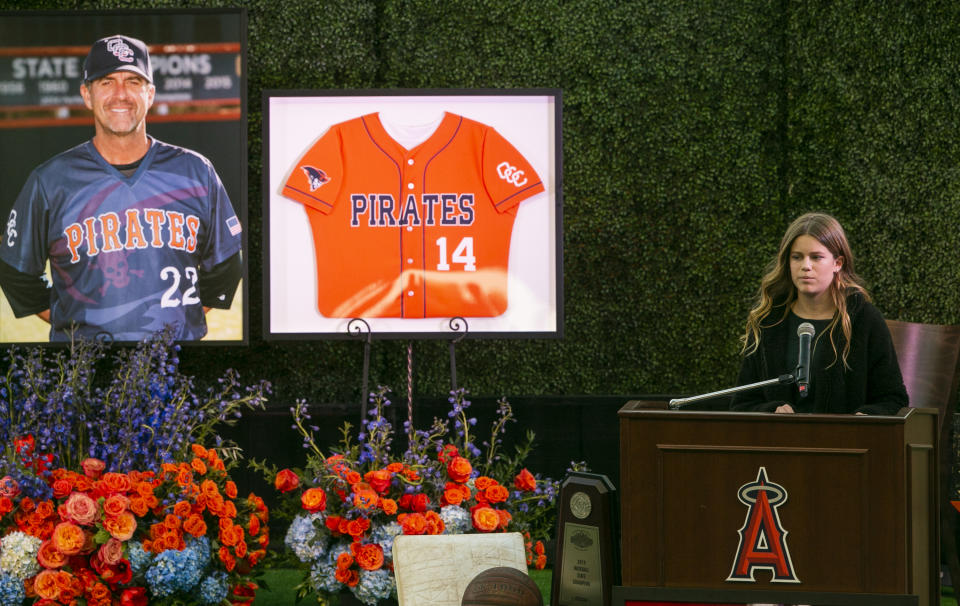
[777, 288]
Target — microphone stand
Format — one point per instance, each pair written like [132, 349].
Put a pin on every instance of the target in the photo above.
[678, 403]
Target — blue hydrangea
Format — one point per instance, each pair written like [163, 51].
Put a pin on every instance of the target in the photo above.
[374, 585]
[306, 537]
[139, 559]
[11, 590]
[175, 571]
[214, 588]
[456, 519]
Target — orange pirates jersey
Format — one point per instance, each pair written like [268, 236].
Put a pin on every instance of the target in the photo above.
[417, 233]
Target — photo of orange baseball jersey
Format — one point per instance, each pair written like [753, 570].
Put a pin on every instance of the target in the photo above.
[418, 233]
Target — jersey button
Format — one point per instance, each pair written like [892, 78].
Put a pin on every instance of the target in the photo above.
[409, 228]
[409, 261]
[409, 293]
[410, 161]
[409, 185]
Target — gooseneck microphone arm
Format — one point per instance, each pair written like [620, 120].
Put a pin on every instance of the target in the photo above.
[678, 403]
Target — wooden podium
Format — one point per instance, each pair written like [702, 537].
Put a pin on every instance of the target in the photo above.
[731, 507]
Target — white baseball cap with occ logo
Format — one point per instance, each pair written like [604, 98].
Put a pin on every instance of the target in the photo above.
[117, 53]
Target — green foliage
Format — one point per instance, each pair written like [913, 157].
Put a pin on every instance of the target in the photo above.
[693, 132]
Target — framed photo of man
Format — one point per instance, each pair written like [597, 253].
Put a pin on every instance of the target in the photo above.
[412, 213]
[123, 175]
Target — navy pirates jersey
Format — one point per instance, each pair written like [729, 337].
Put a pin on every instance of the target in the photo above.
[125, 252]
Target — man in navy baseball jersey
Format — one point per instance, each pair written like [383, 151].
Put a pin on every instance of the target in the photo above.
[139, 233]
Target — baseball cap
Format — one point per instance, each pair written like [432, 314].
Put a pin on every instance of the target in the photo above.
[117, 53]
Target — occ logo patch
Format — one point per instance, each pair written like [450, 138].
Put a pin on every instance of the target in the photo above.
[12, 228]
[511, 174]
[120, 50]
[763, 540]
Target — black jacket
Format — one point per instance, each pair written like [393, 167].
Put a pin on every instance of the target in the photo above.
[872, 385]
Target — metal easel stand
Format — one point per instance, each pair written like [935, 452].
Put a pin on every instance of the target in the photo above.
[356, 328]
[454, 324]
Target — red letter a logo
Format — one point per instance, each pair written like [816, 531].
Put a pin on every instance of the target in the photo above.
[763, 541]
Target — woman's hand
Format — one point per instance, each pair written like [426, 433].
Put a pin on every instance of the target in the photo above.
[784, 408]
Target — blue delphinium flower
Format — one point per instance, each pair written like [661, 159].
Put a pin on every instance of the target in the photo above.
[374, 585]
[306, 537]
[214, 588]
[11, 590]
[456, 519]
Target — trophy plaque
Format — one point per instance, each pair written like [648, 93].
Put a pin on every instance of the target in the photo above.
[587, 565]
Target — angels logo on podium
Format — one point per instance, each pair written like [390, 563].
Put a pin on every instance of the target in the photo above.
[763, 540]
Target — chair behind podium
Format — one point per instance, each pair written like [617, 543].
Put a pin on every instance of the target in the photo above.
[929, 356]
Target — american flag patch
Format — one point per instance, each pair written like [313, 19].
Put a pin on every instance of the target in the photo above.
[233, 224]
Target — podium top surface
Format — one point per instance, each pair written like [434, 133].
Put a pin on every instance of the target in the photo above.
[659, 409]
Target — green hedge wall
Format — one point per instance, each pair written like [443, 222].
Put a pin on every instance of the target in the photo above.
[693, 132]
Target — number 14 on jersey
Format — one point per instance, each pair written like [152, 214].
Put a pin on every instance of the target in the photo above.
[463, 253]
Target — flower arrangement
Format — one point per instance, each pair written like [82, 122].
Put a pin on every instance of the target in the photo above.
[355, 500]
[106, 496]
[177, 536]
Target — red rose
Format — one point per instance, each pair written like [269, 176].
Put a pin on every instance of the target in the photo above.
[286, 481]
[379, 480]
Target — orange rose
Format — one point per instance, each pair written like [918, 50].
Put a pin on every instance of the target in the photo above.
[61, 488]
[459, 469]
[116, 482]
[353, 477]
[45, 585]
[195, 526]
[370, 556]
[344, 560]
[121, 527]
[253, 526]
[434, 522]
[379, 480]
[115, 504]
[485, 519]
[505, 518]
[357, 527]
[199, 466]
[452, 496]
[395, 467]
[68, 538]
[49, 556]
[365, 498]
[525, 480]
[496, 493]
[314, 500]
[389, 506]
[182, 509]
[483, 482]
[230, 489]
[412, 523]
[229, 562]
[198, 450]
[209, 489]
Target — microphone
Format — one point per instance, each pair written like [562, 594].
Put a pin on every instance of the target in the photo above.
[805, 331]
